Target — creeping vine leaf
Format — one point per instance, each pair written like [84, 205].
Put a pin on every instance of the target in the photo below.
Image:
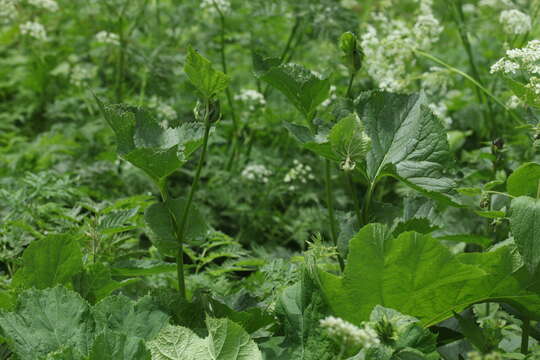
[408, 142]
[226, 341]
[50, 261]
[203, 76]
[525, 225]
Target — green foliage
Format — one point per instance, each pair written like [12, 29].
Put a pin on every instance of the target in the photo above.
[526, 229]
[202, 75]
[226, 340]
[525, 181]
[52, 261]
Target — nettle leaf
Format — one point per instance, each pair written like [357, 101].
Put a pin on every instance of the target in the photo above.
[111, 345]
[350, 141]
[226, 340]
[399, 273]
[408, 142]
[160, 222]
[303, 88]
[46, 321]
[525, 226]
[141, 319]
[524, 181]
[203, 76]
[142, 141]
[50, 261]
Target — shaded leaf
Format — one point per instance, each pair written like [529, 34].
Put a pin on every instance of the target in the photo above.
[525, 180]
[525, 226]
[203, 76]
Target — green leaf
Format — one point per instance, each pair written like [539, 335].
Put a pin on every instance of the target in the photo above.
[473, 333]
[525, 226]
[300, 308]
[524, 93]
[50, 261]
[310, 142]
[141, 319]
[203, 76]
[142, 141]
[408, 142]
[160, 222]
[468, 239]
[110, 345]
[349, 140]
[46, 321]
[397, 273]
[226, 341]
[304, 90]
[96, 283]
[525, 181]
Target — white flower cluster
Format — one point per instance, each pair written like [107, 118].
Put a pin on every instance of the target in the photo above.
[49, 5]
[515, 22]
[256, 172]
[347, 333]
[8, 10]
[514, 102]
[34, 29]
[300, 172]
[106, 37]
[388, 44]
[251, 97]
[164, 111]
[81, 74]
[525, 60]
[223, 5]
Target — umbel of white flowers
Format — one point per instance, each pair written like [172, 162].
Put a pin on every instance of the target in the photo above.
[49, 5]
[33, 29]
[515, 22]
[348, 334]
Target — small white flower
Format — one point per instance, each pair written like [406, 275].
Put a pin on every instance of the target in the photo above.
[49, 5]
[515, 22]
[34, 29]
[106, 37]
[504, 66]
[349, 334]
[251, 97]
[514, 102]
[256, 172]
[8, 10]
[299, 173]
[469, 8]
[81, 74]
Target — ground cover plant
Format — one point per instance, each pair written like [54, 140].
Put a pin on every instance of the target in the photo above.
[244, 180]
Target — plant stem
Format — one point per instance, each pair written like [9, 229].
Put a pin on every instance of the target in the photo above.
[525, 336]
[367, 203]
[357, 209]
[120, 61]
[331, 215]
[349, 88]
[185, 213]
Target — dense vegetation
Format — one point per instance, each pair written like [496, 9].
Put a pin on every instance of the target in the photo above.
[269, 179]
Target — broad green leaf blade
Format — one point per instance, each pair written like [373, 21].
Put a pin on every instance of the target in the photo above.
[525, 226]
[304, 136]
[50, 261]
[407, 142]
[349, 140]
[110, 345]
[226, 341]
[304, 89]
[46, 321]
[397, 273]
[159, 220]
[525, 181]
[473, 332]
[203, 76]
[141, 140]
[141, 319]
[178, 343]
[95, 283]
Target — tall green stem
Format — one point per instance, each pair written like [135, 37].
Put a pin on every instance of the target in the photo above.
[525, 336]
[356, 202]
[331, 215]
[120, 64]
[367, 203]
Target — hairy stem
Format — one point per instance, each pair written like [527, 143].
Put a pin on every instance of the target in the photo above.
[331, 215]
[356, 202]
[525, 336]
